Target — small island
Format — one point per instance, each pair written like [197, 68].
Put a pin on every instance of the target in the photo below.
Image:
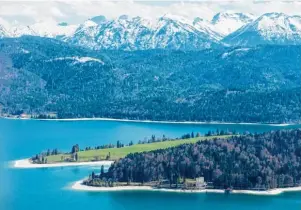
[219, 161]
[251, 163]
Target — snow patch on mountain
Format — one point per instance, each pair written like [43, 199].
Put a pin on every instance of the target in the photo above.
[236, 52]
[22, 50]
[88, 59]
[77, 59]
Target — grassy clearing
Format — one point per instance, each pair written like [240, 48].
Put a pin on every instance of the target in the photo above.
[117, 153]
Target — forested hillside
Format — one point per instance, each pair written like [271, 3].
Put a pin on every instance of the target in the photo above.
[261, 161]
[260, 84]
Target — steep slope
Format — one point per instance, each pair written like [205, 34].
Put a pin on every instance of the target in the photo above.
[124, 33]
[271, 28]
[174, 32]
[206, 27]
[84, 35]
[228, 22]
[45, 71]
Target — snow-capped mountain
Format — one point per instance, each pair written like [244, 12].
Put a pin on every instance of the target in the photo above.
[270, 28]
[84, 35]
[173, 32]
[49, 29]
[167, 32]
[228, 22]
[137, 33]
[18, 30]
[124, 33]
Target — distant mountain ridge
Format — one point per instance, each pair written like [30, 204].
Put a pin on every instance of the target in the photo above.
[49, 29]
[169, 31]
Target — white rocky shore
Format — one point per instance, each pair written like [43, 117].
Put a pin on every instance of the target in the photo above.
[81, 187]
[26, 163]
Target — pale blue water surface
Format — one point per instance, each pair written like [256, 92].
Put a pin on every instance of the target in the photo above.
[48, 189]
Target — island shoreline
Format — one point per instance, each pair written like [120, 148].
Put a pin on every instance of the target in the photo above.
[152, 121]
[78, 186]
[26, 164]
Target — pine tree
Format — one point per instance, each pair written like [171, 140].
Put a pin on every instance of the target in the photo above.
[102, 171]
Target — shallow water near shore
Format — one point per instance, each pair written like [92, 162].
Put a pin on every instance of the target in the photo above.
[49, 188]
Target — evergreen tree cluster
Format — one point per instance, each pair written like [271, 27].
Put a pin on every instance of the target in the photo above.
[253, 161]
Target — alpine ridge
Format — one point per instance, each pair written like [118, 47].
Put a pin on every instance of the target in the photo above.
[270, 28]
[136, 33]
[169, 31]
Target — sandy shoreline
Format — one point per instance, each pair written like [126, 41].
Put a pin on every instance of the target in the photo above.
[25, 163]
[80, 187]
[148, 121]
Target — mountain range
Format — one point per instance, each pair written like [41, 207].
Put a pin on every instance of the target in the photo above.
[168, 31]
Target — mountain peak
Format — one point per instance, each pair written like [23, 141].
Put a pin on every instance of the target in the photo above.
[228, 22]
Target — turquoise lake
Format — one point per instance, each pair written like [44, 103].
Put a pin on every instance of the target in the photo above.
[48, 189]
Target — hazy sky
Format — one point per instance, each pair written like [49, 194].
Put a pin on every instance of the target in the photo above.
[27, 12]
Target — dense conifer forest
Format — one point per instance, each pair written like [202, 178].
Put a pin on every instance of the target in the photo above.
[254, 161]
[42, 76]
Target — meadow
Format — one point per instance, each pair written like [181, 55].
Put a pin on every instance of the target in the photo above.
[117, 153]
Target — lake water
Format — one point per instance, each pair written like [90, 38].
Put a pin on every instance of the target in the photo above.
[48, 189]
